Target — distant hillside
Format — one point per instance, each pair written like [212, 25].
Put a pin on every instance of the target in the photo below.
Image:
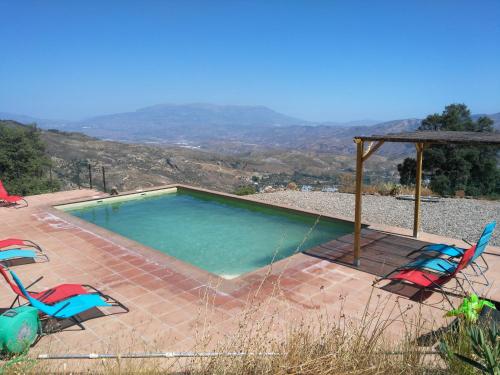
[494, 116]
[131, 166]
[178, 122]
[232, 129]
[41, 122]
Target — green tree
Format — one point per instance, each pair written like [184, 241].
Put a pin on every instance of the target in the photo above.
[456, 167]
[407, 171]
[23, 161]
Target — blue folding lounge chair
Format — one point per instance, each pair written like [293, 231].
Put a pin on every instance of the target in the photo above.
[71, 307]
[454, 251]
[438, 264]
[12, 254]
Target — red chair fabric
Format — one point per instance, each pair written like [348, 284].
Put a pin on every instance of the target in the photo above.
[3, 192]
[59, 293]
[419, 277]
[4, 195]
[49, 296]
[14, 242]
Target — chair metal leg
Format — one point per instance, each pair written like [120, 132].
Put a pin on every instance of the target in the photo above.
[441, 289]
[468, 282]
[34, 282]
[462, 287]
[485, 263]
[78, 322]
[14, 302]
[479, 271]
[445, 295]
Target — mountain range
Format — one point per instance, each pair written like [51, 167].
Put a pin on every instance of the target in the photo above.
[229, 128]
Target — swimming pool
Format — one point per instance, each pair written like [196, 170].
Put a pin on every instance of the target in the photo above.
[222, 235]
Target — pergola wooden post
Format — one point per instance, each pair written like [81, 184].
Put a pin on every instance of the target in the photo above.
[418, 187]
[420, 139]
[359, 187]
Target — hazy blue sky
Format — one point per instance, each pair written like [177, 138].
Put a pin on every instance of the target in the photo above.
[319, 60]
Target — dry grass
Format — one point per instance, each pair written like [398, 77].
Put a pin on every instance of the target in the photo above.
[318, 344]
[387, 189]
[323, 346]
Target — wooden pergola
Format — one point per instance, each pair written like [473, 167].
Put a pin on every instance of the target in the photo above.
[421, 139]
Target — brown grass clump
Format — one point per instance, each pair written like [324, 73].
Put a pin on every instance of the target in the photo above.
[387, 189]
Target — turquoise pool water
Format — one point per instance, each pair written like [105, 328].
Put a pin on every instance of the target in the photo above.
[219, 235]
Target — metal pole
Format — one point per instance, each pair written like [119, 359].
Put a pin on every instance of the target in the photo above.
[359, 189]
[90, 176]
[78, 181]
[50, 179]
[103, 179]
[154, 355]
[418, 189]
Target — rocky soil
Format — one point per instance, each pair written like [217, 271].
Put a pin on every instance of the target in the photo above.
[456, 218]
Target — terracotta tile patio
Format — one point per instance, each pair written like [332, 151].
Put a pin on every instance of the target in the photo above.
[171, 303]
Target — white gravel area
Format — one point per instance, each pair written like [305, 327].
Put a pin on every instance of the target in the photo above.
[456, 218]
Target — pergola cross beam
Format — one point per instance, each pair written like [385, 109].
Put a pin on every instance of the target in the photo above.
[372, 148]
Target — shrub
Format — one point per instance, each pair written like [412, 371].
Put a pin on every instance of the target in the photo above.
[471, 347]
[441, 185]
[245, 190]
[347, 183]
[391, 189]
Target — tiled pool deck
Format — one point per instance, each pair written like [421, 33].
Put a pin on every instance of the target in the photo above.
[172, 304]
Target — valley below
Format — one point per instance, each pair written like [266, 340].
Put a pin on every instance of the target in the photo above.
[131, 166]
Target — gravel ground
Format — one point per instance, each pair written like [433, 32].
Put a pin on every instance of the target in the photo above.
[456, 218]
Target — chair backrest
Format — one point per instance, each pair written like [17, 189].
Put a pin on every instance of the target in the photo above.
[33, 302]
[484, 239]
[3, 192]
[13, 286]
[465, 260]
[88, 300]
